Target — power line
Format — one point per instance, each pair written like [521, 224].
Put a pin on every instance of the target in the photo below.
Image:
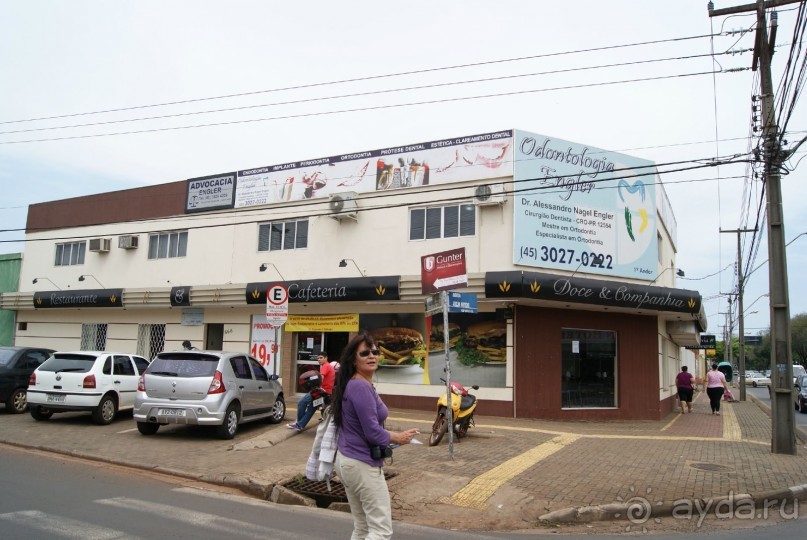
[307, 212]
[372, 108]
[368, 93]
[367, 78]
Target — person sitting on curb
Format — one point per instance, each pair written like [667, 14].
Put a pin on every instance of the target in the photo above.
[305, 407]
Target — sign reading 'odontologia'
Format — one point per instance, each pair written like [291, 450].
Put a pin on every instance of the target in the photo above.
[85, 298]
[330, 290]
[581, 207]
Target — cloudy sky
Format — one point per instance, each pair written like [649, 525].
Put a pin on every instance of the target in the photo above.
[98, 96]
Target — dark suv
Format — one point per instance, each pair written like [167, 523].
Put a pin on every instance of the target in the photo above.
[16, 365]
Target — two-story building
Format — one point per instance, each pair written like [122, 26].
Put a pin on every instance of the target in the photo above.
[564, 255]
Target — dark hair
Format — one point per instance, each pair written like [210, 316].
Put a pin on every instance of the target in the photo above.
[186, 344]
[714, 366]
[683, 368]
[346, 372]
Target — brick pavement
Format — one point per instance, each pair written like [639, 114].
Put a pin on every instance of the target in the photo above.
[506, 471]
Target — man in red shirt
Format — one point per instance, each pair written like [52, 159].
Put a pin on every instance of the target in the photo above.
[305, 407]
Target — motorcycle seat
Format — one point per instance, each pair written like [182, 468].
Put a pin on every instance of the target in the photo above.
[467, 402]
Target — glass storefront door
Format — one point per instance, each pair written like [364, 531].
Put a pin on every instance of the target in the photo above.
[588, 374]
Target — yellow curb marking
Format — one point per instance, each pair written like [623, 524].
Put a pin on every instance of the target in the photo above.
[731, 428]
[480, 489]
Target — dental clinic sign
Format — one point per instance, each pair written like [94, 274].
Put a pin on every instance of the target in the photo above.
[580, 208]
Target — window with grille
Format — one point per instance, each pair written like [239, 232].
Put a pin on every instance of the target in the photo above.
[150, 339]
[93, 336]
[449, 221]
[70, 253]
[167, 245]
[281, 235]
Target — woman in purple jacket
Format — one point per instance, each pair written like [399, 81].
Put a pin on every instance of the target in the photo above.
[359, 414]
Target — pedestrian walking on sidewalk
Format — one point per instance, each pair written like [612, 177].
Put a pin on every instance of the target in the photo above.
[363, 443]
[684, 381]
[715, 386]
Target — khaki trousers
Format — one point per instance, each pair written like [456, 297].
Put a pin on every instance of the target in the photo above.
[368, 496]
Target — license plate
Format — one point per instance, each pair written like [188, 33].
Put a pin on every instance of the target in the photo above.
[56, 398]
[318, 402]
[171, 412]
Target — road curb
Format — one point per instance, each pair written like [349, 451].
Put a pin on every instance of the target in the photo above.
[641, 510]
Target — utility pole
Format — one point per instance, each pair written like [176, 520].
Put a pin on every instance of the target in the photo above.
[783, 431]
[740, 278]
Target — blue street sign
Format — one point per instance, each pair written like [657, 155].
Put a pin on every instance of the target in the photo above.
[461, 302]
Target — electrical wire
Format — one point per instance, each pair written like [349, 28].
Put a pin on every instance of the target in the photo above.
[307, 212]
[368, 93]
[367, 78]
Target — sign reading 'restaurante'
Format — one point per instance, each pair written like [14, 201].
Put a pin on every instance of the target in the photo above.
[79, 299]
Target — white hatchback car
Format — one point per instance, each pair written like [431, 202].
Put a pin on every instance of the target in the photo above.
[97, 381]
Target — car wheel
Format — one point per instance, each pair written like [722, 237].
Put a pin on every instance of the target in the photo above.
[278, 411]
[17, 401]
[40, 413]
[230, 425]
[802, 407]
[754, 384]
[104, 413]
[148, 428]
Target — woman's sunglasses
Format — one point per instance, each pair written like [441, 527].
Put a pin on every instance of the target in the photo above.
[368, 352]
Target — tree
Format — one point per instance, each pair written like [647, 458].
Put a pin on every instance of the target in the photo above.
[798, 338]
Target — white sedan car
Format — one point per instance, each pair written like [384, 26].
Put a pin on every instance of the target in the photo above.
[755, 379]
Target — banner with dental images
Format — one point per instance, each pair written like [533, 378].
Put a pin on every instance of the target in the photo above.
[474, 157]
[580, 208]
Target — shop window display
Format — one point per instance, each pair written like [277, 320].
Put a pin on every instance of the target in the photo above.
[589, 368]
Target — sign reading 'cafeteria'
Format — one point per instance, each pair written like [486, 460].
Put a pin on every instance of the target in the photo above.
[79, 299]
[331, 290]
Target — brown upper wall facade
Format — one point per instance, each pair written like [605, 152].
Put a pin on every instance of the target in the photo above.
[147, 202]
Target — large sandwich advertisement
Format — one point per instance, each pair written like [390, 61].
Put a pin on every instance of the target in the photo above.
[413, 348]
[580, 208]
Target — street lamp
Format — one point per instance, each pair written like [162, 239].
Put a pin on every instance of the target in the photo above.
[343, 263]
[83, 276]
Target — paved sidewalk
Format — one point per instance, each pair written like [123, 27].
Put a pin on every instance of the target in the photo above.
[508, 473]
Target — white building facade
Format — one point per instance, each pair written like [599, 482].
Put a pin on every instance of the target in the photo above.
[568, 253]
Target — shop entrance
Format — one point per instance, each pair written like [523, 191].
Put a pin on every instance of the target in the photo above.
[214, 338]
[308, 347]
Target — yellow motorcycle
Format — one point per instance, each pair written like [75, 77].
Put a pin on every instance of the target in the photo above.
[463, 405]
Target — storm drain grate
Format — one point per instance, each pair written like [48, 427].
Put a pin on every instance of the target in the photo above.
[711, 467]
[319, 490]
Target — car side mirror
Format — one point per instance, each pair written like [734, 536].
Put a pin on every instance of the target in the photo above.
[273, 377]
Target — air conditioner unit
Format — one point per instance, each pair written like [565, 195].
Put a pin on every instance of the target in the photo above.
[128, 241]
[489, 194]
[100, 245]
[344, 205]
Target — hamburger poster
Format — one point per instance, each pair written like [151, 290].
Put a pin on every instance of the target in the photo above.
[412, 348]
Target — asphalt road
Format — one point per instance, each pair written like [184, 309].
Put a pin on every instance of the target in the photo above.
[45, 497]
[762, 394]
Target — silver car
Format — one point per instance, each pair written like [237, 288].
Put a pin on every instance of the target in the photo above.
[207, 388]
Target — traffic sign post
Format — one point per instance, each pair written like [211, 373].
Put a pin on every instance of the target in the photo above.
[277, 311]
